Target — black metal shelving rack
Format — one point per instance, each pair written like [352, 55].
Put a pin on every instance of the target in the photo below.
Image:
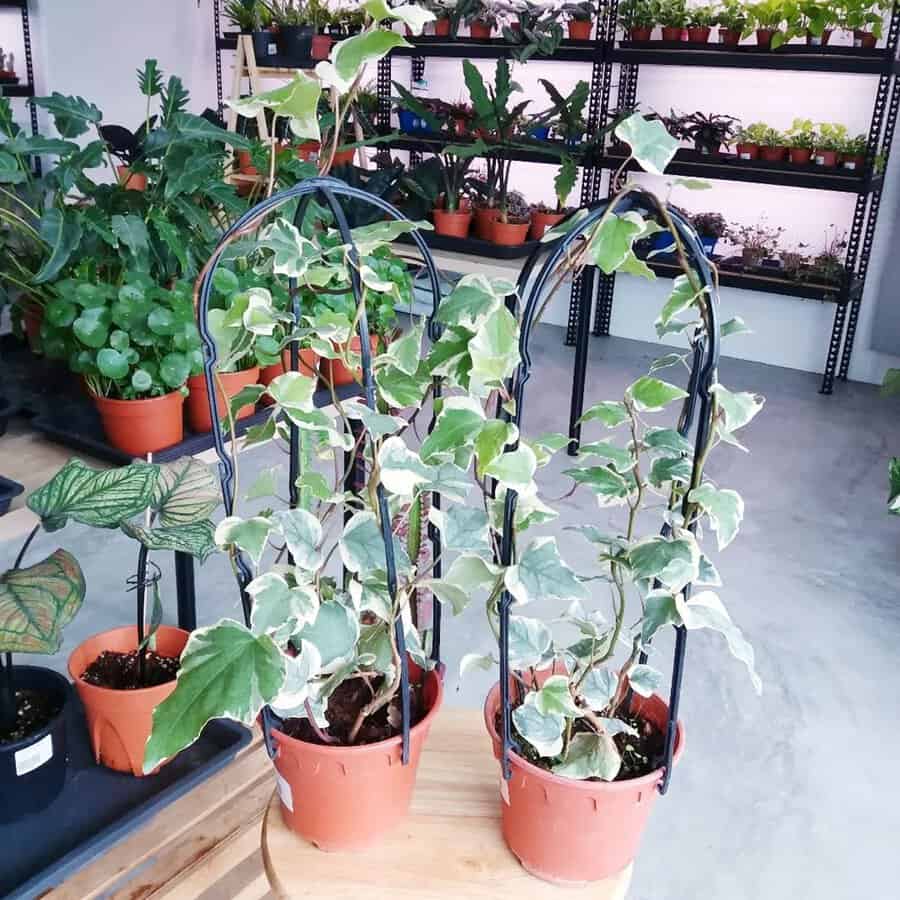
[26, 88]
[611, 60]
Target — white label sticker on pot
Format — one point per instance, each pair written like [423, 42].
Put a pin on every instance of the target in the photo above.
[820, 160]
[35, 756]
[815, 41]
[850, 164]
[746, 156]
[857, 42]
[272, 49]
[284, 791]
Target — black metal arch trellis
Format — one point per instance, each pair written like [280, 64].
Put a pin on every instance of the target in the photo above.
[705, 347]
[329, 190]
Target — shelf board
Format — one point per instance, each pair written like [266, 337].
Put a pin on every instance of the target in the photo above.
[16, 90]
[493, 48]
[434, 144]
[13, 4]
[798, 58]
[728, 167]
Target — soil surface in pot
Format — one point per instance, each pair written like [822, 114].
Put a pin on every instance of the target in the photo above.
[641, 754]
[121, 672]
[344, 706]
[34, 710]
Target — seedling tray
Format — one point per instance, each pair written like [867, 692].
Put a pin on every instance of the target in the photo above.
[99, 807]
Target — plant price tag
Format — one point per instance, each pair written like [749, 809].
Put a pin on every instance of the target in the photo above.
[284, 791]
[35, 756]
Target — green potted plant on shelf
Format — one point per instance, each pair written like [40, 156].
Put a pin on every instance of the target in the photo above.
[864, 19]
[707, 132]
[320, 17]
[767, 20]
[637, 18]
[853, 152]
[700, 20]
[757, 242]
[750, 139]
[830, 140]
[829, 265]
[800, 139]
[483, 18]
[731, 17]
[710, 226]
[253, 18]
[672, 16]
[773, 146]
[294, 31]
[533, 28]
[580, 19]
[544, 217]
[818, 19]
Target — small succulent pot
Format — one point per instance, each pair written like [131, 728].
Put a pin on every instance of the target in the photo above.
[321, 46]
[33, 768]
[580, 30]
[672, 34]
[231, 383]
[747, 151]
[119, 722]
[337, 374]
[772, 154]
[640, 35]
[442, 27]
[764, 38]
[826, 158]
[485, 216]
[139, 427]
[480, 30]
[509, 234]
[818, 40]
[131, 181]
[800, 156]
[699, 35]
[864, 40]
[452, 224]
[541, 221]
[264, 45]
[852, 161]
[729, 37]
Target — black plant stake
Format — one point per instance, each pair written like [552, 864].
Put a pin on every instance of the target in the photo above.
[140, 582]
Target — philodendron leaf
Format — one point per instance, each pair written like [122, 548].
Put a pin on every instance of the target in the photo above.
[530, 642]
[72, 116]
[249, 535]
[186, 492]
[99, 498]
[674, 562]
[278, 607]
[541, 574]
[195, 538]
[303, 534]
[651, 394]
[599, 687]
[543, 732]
[349, 57]
[651, 145]
[554, 697]
[227, 672]
[644, 679]
[724, 507]
[38, 602]
[402, 472]
[590, 756]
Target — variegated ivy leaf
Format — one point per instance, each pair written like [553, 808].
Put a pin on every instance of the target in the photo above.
[377, 424]
[492, 439]
[402, 472]
[650, 394]
[530, 510]
[622, 460]
[644, 679]
[666, 469]
[659, 610]
[543, 732]
[599, 687]
[405, 352]
[372, 595]
[591, 624]
[683, 295]
[278, 608]
[99, 498]
[362, 544]
[472, 300]
[368, 238]
[545, 446]
[613, 238]
[472, 661]
[334, 632]
[375, 649]
[195, 538]
[38, 602]
[494, 352]
[674, 562]
[450, 481]
[299, 673]
[554, 697]
[610, 488]
[667, 441]
[738, 409]
[467, 575]
[249, 535]
[651, 145]
[322, 425]
[293, 391]
[709, 574]
[541, 574]
[303, 534]
[294, 254]
[458, 424]
[265, 484]
[515, 469]
[462, 528]
[590, 756]
[400, 390]
[610, 412]
[706, 610]
[735, 325]
[226, 672]
[724, 507]
[186, 491]
[530, 643]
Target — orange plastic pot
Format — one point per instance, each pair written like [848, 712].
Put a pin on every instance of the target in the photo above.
[343, 157]
[813, 40]
[580, 30]
[672, 34]
[800, 156]
[485, 216]
[334, 371]
[864, 40]
[748, 151]
[308, 151]
[245, 163]
[139, 427]
[541, 221]
[699, 35]
[442, 28]
[854, 161]
[480, 30]
[509, 234]
[764, 38]
[772, 154]
[346, 798]
[231, 382]
[131, 181]
[321, 46]
[729, 37]
[572, 832]
[640, 34]
[119, 722]
[452, 224]
[826, 158]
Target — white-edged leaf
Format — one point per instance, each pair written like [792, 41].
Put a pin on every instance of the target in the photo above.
[541, 574]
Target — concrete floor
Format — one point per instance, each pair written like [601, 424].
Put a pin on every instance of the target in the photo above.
[775, 796]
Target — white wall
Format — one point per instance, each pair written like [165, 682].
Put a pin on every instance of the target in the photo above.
[92, 48]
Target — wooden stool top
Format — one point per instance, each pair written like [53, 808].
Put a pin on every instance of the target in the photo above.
[449, 848]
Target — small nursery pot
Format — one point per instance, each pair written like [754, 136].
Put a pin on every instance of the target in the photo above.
[729, 37]
[640, 34]
[509, 234]
[119, 722]
[264, 45]
[580, 30]
[295, 41]
[800, 156]
[826, 158]
[321, 46]
[452, 224]
[342, 158]
[480, 30]
[572, 832]
[346, 798]
[140, 427]
[864, 40]
[706, 148]
[334, 371]
[541, 221]
[245, 163]
[485, 217]
[33, 769]
[764, 38]
[772, 154]
[442, 27]
[131, 181]
[748, 151]
[854, 162]
[813, 40]
[672, 33]
[232, 382]
[308, 151]
[699, 35]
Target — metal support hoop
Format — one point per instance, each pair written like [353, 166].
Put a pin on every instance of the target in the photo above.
[329, 189]
[697, 406]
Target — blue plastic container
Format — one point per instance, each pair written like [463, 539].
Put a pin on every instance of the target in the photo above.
[709, 245]
[540, 134]
[409, 121]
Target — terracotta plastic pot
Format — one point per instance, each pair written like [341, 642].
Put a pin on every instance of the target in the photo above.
[32, 319]
[346, 798]
[699, 35]
[334, 371]
[672, 33]
[342, 158]
[853, 162]
[485, 216]
[509, 234]
[245, 163]
[640, 34]
[822, 40]
[572, 832]
[309, 151]
[579, 30]
[442, 28]
[772, 154]
[541, 221]
[321, 46]
[140, 427]
[747, 151]
[119, 722]
[800, 156]
[267, 374]
[764, 37]
[864, 40]
[452, 224]
[826, 158]
[131, 181]
[460, 127]
[729, 37]
[480, 30]
[308, 362]
[232, 382]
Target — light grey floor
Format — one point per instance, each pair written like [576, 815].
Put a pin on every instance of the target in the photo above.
[792, 794]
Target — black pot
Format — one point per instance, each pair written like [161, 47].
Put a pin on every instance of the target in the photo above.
[264, 45]
[33, 770]
[295, 42]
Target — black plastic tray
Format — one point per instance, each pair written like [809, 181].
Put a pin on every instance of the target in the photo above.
[473, 246]
[99, 807]
[9, 490]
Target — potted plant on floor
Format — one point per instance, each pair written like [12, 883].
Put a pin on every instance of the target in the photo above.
[853, 152]
[637, 18]
[731, 18]
[766, 20]
[700, 20]
[773, 146]
[543, 217]
[672, 16]
[580, 19]
[482, 19]
[829, 143]
[749, 140]
[710, 226]
[801, 139]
